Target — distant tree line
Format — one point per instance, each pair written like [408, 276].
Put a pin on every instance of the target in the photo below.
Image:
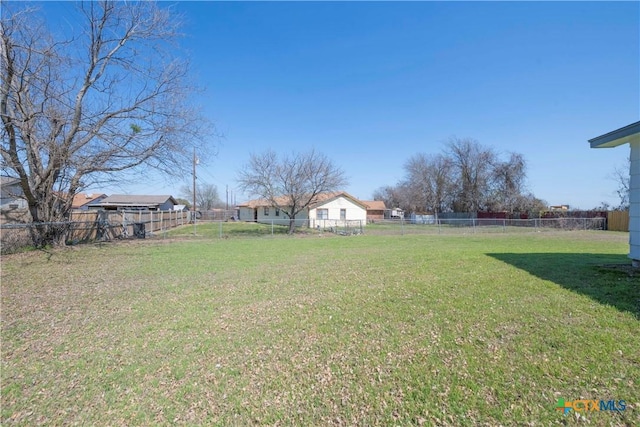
[465, 177]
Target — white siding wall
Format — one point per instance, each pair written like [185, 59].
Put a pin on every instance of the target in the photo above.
[634, 210]
[246, 214]
[354, 213]
[281, 219]
[302, 215]
[166, 206]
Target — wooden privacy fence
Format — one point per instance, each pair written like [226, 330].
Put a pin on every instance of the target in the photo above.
[92, 225]
[618, 220]
[86, 226]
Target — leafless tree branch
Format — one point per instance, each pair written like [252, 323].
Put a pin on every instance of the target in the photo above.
[79, 111]
[622, 178]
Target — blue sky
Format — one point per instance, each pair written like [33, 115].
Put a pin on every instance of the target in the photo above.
[370, 84]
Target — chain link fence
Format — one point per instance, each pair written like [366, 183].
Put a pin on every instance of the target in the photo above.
[483, 225]
[231, 229]
[275, 227]
[128, 225]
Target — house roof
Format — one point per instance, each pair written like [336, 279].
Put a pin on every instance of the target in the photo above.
[134, 200]
[629, 133]
[82, 199]
[319, 200]
[328, 197]
[256, 203]
[374, 205]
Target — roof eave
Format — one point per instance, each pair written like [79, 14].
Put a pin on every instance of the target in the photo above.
[627, 134]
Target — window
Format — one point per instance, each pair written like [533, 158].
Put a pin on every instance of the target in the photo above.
[266, 211]
[343, 214]
[277, 211]
[322, 214]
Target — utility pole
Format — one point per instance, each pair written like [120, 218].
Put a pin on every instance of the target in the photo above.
[195, 162]
[227, 207]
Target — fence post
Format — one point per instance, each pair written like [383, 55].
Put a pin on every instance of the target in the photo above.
[221, 229]
[473, 221]
[504, 225]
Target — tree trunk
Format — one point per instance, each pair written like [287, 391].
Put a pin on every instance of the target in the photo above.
[48, 229]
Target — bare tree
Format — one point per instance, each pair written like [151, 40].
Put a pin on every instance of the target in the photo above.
[429, 182]
[207, 196]
[392, 196]
[507, 184]
[185, 202]
[622, 177]
[472, 164]
[466, 177]
[84, 110]
[290, 183]
[527, 202]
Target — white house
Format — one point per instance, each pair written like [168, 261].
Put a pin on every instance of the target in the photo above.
[262, 211]
[337, 210]
[628, 135]
[327, 210]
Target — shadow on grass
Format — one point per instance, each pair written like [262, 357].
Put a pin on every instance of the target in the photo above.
[607, 278]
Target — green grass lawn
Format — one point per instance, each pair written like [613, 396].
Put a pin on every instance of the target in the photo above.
[457, 330]
[221, 229]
